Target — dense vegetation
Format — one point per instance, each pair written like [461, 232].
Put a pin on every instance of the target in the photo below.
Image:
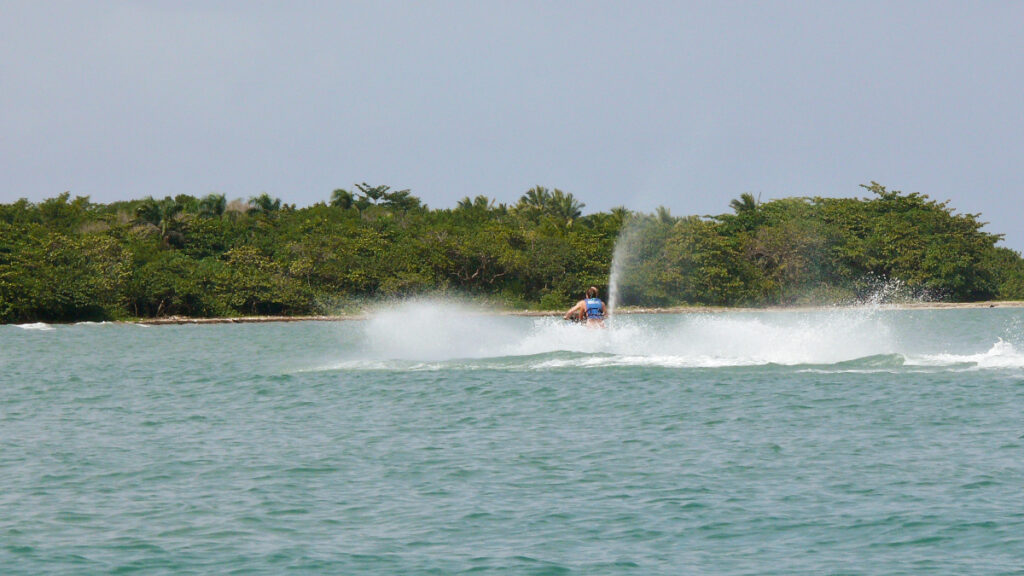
[70, 259]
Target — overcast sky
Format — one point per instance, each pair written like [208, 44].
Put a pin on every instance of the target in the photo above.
[681, 104]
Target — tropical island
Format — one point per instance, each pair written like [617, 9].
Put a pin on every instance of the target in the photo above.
[64, 259]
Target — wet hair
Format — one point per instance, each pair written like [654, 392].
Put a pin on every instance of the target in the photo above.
[592, 292]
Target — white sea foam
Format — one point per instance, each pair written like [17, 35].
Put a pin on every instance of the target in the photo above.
[440, 335]
[434, 331]
[43, 326]
[372, 365]
[1001, 355]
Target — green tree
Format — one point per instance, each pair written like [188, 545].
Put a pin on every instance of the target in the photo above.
[264, 204]
[342, 198]
[925, 244]
[212, 205]
[565, 208]
[369, 195]
[559, 207]
[481, 204]
[65, 259]
[705, 266]
[161, 215]
[401, 201]
[57, 277]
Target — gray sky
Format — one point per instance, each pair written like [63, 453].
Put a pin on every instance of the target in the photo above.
[681, 104]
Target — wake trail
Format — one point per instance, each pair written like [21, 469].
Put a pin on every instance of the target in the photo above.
[437, 335]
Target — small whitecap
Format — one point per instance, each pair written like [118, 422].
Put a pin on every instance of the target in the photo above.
[42, 326]
[1000, 355]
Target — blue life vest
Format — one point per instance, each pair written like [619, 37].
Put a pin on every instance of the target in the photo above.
[594, 308]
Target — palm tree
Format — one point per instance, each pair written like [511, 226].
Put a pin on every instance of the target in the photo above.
[159, 214]
[745, 204]
[665, 215]
[535, 199]
[564, 207]
[480, 203]
[749, 215]
[264, 203]
[213, 205]
[620, 214]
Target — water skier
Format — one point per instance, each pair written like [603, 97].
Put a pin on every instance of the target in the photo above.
[591, 309]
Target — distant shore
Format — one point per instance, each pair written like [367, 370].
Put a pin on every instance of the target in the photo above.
[556, 313]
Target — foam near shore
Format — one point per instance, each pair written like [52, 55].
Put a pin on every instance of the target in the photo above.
[621, 310]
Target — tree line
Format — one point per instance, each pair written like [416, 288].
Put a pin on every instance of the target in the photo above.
[67, 259]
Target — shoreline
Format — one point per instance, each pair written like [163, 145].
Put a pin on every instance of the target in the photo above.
[629, 310]
[173, 320]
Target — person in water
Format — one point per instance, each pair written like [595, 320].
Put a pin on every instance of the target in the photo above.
[591, 310]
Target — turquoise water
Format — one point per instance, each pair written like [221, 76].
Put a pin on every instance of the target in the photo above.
[432, 439]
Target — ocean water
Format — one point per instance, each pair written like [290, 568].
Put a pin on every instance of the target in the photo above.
[433, 439]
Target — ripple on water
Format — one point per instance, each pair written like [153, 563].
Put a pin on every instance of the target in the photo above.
[228, 450]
